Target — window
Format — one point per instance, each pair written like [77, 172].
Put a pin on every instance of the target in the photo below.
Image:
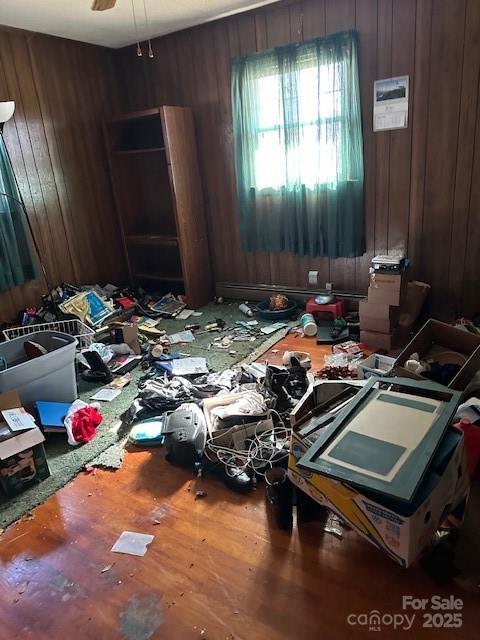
[298, 148]
[313, 158]
[16, 264]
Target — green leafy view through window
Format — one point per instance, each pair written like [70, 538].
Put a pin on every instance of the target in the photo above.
[298, 148]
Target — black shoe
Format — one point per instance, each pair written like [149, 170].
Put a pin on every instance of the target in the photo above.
[279, 496]
[235, 478]
[276, 379]
[98, 372]
[297, 383]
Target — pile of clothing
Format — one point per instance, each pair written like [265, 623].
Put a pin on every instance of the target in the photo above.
[230, 422]
[442, 368]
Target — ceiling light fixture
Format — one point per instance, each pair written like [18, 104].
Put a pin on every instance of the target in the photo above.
[139, 48]
[147, 30]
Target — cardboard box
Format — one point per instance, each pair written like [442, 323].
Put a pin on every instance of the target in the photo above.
[375, 365]
[376, 324]
[377, 317]
[387, 289]
[379, 311]
[129, 335]
[22, 455]
[404, 531]
[378, 340]
[412, 305]
[437, 339]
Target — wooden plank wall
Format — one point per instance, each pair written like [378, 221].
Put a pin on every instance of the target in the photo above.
[62, 90]
[422, 189]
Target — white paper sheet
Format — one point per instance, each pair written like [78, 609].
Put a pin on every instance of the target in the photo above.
[18, 419]
[183, 315]
[132, 543]
[106, 394]
[181, 336]
[189, 366]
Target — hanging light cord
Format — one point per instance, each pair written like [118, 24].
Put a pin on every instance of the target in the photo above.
[147, 30]
[139, 48]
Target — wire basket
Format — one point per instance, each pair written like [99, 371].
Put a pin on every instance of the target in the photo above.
[76, 328]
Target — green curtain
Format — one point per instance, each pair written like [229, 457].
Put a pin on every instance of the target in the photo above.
[298, 148]
[16, 264]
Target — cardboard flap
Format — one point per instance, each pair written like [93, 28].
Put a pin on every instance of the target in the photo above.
[19, 443]
[10, 400]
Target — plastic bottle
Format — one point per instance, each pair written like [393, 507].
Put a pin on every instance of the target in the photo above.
[244, 308]
[309, 325]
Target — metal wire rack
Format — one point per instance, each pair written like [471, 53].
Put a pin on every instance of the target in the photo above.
[76, 328]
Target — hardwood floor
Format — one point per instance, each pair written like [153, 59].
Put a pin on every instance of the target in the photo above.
[293, 342]
[216, 570]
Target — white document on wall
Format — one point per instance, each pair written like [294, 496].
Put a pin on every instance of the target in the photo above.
[390, 103]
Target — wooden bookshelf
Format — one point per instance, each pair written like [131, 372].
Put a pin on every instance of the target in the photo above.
[156, 240]
[156, 183]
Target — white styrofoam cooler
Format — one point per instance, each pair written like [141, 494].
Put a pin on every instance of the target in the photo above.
[50, 377]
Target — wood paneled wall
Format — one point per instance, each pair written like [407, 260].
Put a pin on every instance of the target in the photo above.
[422, 190]
[62, 90]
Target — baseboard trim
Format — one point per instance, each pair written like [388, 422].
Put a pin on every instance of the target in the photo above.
[239, 291]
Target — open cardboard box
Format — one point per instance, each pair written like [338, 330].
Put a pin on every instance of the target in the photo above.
[403, 531]
[436, 338]
[375, 365]
[22, 455]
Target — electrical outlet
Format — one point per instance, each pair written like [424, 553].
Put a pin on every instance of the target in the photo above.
[313, 278]
[329, 286]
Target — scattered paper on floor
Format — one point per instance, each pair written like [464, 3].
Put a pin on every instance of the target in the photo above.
[135, 544]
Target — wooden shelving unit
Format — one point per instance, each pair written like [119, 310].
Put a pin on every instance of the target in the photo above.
[146, 240]
[133, 151]
[158, 194]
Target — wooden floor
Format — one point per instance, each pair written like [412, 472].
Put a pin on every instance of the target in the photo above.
[216, 570]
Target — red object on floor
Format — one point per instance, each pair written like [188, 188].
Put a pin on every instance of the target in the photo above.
[337, 309]
[471, 434]
[84, 424]
[126, 303]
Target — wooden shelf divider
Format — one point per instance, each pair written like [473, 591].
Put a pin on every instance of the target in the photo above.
[152, 239]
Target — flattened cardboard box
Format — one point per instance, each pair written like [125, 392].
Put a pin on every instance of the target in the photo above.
[22, 455]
